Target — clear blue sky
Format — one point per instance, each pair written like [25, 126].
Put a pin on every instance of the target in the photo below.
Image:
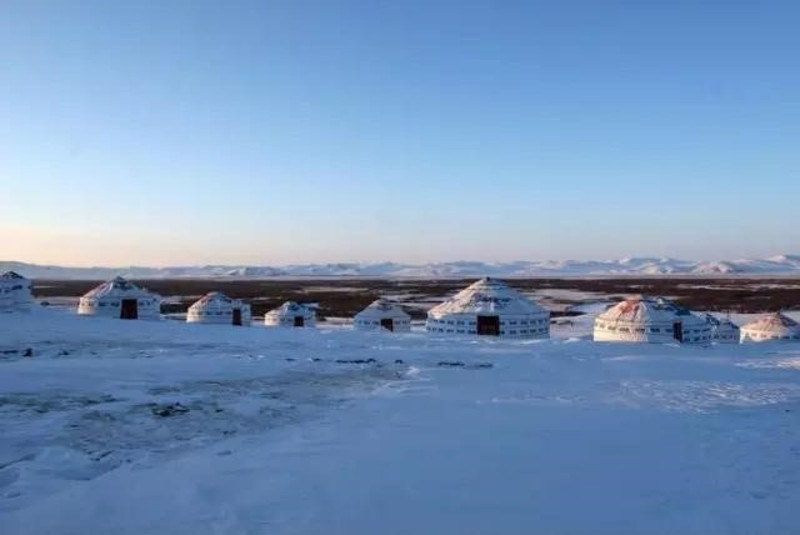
[183, 132]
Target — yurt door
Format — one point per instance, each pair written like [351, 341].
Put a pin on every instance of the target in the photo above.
[677, 331]
[489, 325]
[237, 316]
[387, 324]
[299, 321]
[129, 309]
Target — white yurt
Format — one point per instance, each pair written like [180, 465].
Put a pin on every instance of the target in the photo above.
[291, 314]
[637, 320]
[15, 293]
[383, 314]
[694, 328]
[489, 307]
[771, 327]
[640, 319]
[216, 307]
[119, 298]
[723, 330]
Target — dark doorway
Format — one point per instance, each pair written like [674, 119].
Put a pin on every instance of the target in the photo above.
[388, 324]
[129, 309]
[299, 321]
[237, 316]
[489, 325]
[677, 331]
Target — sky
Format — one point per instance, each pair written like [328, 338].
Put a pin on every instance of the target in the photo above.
[278, 132]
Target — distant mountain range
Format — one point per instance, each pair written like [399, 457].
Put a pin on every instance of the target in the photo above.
[776, 265]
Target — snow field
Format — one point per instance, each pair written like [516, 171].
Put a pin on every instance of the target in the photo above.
[265, 432]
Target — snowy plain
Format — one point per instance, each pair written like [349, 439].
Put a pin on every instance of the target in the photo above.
[162, 427]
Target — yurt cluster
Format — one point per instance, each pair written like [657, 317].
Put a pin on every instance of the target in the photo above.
[489, 307]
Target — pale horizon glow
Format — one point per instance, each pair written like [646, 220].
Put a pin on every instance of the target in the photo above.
[282, 132]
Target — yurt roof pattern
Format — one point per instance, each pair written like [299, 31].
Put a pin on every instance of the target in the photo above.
[775, 322]
[12, 275]
[488, 296]
[290, 308]
[214, 298]
[714, 321]
[116, 286]
[382, 308]
[639, 310]
[676, 308]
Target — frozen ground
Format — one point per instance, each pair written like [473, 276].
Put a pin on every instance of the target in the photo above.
[135, 427]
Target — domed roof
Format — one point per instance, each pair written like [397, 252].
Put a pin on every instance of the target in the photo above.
[12, 275]
[117, 287]
[774, 324]
[490, 296]
[381, 308]
[718, 323]
[640, 310]
[214, 300]
[290, 308]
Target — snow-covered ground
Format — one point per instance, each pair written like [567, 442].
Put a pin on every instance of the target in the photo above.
[163, 427]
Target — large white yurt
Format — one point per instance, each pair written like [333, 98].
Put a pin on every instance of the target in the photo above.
[218, 308]
[723, 330]
[383, 314]
[291, 314]
[640, 319]
[637, 320]
[15, 293]
[119, 298]
[771, 327]
[489, 307]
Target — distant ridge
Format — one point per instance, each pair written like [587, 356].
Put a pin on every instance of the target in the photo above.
[775, 265]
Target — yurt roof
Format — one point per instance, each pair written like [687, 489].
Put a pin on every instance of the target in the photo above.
[12, 275]
[214, 299]
[640, 310]
[719, 322]
[116, 286]
[381, 308]
[488, 296]
[687, 317]
[290, 308]
[775, 323]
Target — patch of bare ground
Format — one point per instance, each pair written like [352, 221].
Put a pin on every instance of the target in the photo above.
[345, 297]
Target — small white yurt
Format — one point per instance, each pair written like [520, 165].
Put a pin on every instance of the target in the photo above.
[121, 299]
[723, 330]
[640, 319]
[218, 308]
[771, 327]
[383, 314]
[489, 307]
[15, 293]
[291, 314]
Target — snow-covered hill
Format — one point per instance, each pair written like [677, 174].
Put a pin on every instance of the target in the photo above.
[644, 266]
